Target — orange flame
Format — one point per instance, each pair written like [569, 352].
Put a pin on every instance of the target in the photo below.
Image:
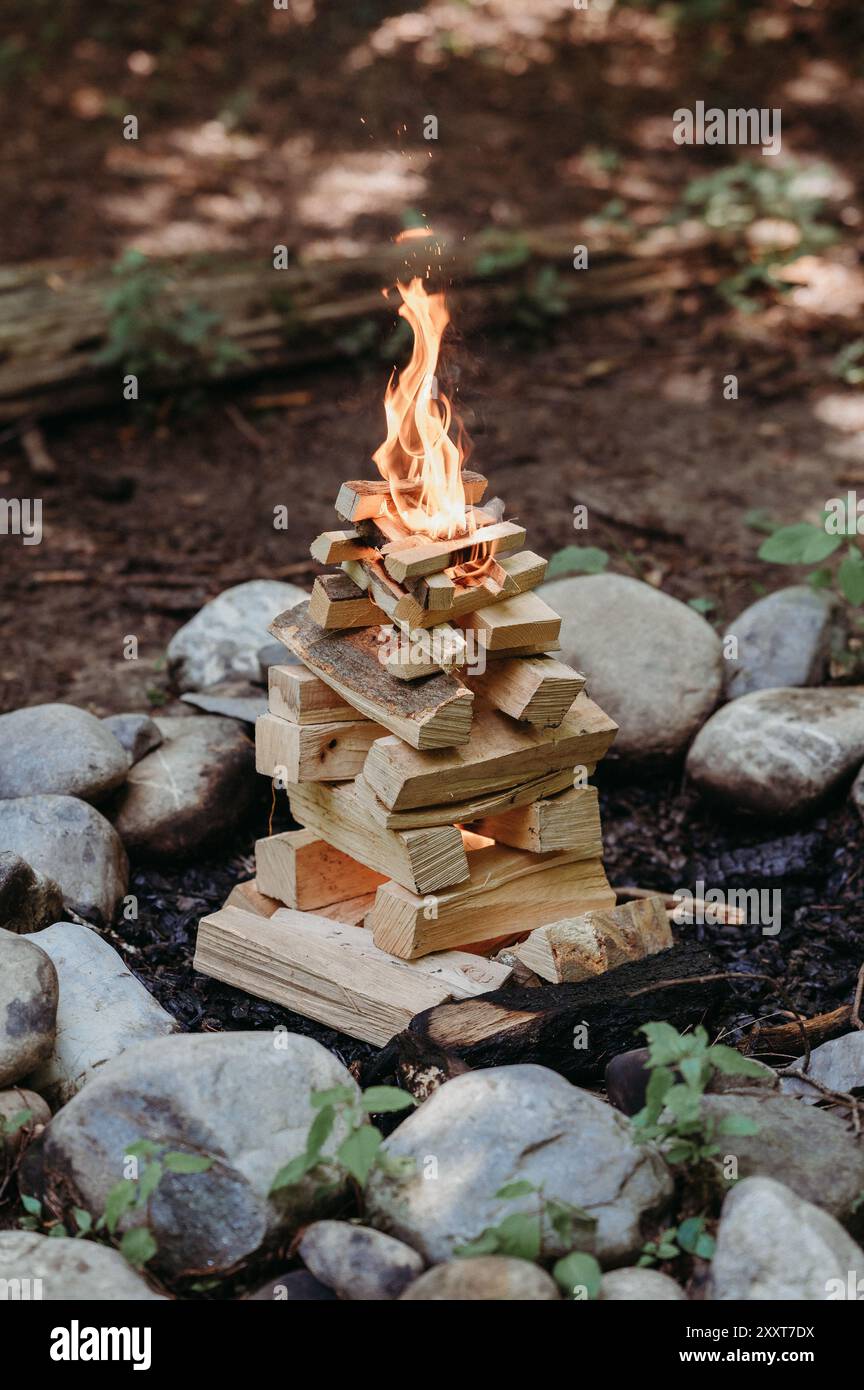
[418, 459]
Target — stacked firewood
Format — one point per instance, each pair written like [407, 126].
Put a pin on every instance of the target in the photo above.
[437, 756]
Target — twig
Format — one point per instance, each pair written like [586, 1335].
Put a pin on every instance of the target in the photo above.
[33, 444]
[248, 431]
[856, 1002]
[839, 1097]
[731, 916]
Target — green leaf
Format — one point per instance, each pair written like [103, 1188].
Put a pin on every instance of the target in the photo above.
[737, 1124]
[511, 1190]
[58, 1232]
[801, 544]
[15, 1122]
[702, 605]
[121, 1197]
[484, 1244]
[292, 1173]
[759, 519]
[732, 1063]
[667, 1251]
[577, 559]
[31, 1205]
[851, 576]
[177, 1162]
[149, 1181]
[705, 1246]
[520, 1235]
[142, 1148]
[319, 1131]
[336, 1095]
[358, 1152]
[578, 1271]
[689, 1232]
[665, 1042]
[382, 1100]
[83, 1220]
[138, 1246]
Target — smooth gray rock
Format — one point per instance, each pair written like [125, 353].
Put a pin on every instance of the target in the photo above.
[784, 639]
[234, 699]
[652, 663]
[28, 900]
[241, 1098]
[816, 1152]
[780, 752]
[640, 1286]
[17, 1102]
[225, 636]
[274, 654]
[137, 733]
[69, 841]
[838, 1064]
[295, 1286]
[357, 1262]
[490, 1128]
[28, 1007]
[490, 1278]
[77, 1271]
[772, 1245]
[103, 1010]
[59, 749]
[191, 792]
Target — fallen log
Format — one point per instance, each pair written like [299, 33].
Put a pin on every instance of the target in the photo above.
[61, 349]
[573, 1028]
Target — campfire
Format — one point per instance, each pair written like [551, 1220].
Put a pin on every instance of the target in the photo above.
[437, 756]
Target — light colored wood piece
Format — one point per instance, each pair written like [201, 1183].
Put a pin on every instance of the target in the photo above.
[509, 891]
[337, 603]
[436, 713]
[303, 871]
[353, 911]
[464, 812]
[423, 653]
[423, 860]
[577, 948]
[332, 972]
[413, 561]
[312, 752]
[334, 547]
[246, 896]
[525, 570]
[525, 620]
[500, 754]
[367, 499]
[538, 689]
[533, 649]
[302, 697]
[568, 821]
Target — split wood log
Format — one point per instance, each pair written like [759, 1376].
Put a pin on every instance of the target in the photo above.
[509, 891]
[532, 649]
[570, 821]
[367, 499]
[56, 317]
[579, 947]
[338, 603]
[538, 690]
[501, 754]
[434, 713]
[574, 1029]
[414, 560]
[464, 812]
[312, 752]
[334, 547]
[302, 697]
[334, 973]
[302, 871]
[523, 621]
[352, 912]
[414, 654]
[518, 574]
[423, 861]
[247, 896]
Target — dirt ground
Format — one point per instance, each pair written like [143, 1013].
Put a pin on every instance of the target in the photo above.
[304, 125]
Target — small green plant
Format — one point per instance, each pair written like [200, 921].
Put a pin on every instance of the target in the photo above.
[150, 330]
[129, 1195]
[577, 559]
[805, 543]
[360, 1151]
[848, 365]
[521, 1236]
[681, 1066]
[730, 200]
[691, 1238]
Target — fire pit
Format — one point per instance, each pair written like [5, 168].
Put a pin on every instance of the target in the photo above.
[435, 752]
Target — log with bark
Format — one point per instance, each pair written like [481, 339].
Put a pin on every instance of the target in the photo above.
[59, 350]
[573, 1028]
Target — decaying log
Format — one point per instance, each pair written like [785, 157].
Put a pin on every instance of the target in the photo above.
[573, 1028]
[432, 713]
[786, 1040]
